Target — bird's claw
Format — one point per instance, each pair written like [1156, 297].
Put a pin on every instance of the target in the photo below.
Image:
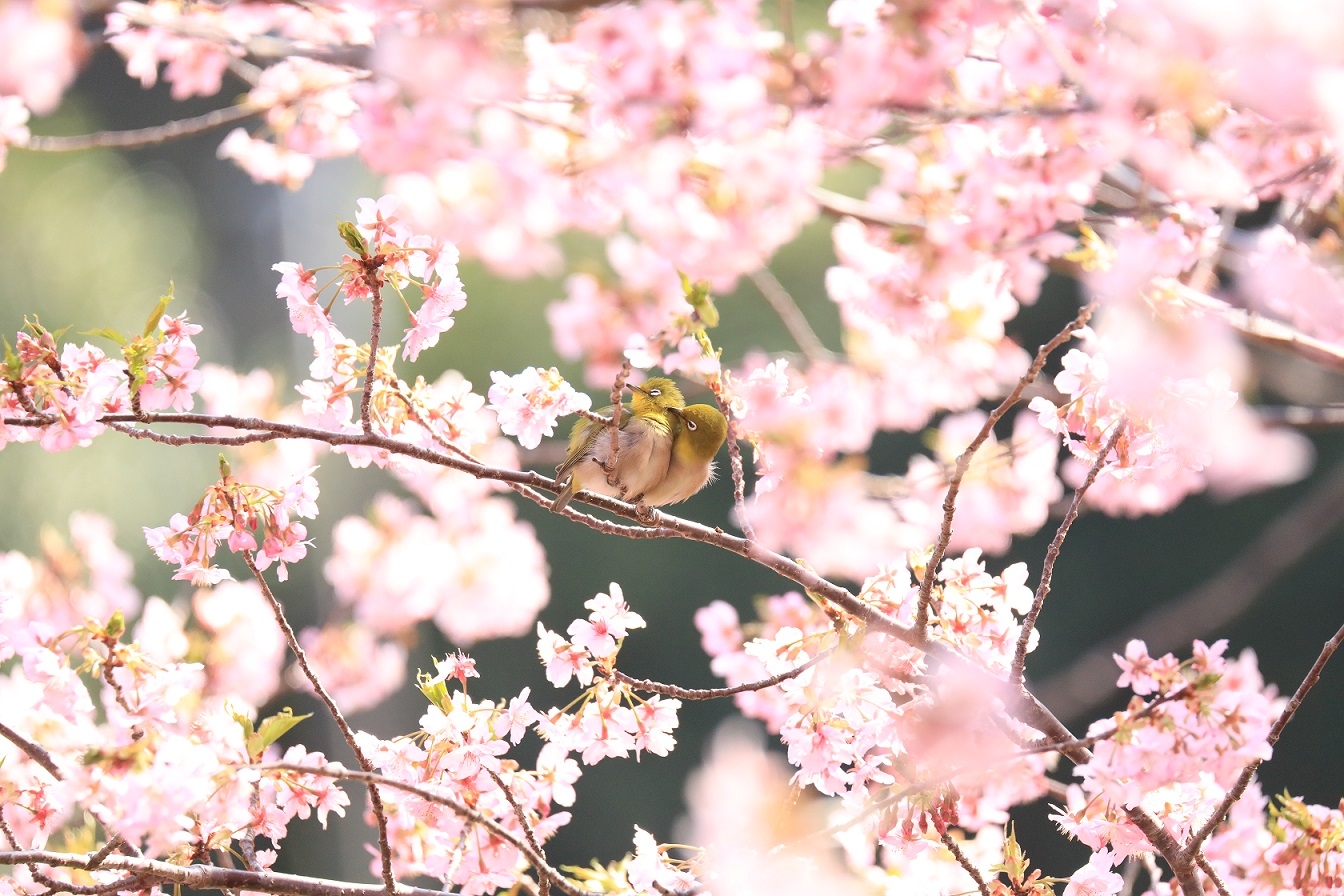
[644, 513]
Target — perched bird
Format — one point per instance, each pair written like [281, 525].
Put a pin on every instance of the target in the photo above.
[644, 449]
[701, 434]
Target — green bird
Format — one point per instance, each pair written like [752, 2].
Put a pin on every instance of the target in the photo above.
[644, 447]
[701, 434]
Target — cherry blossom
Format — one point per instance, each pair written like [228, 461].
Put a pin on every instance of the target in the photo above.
[529, 403]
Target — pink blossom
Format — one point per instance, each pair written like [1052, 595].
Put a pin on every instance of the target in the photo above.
[529, 403]
[1096, 877]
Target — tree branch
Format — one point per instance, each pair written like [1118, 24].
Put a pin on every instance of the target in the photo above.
[375, 800]
[1243, 781]
[1056, 545]
[534, 856]
[140, 137]
[210, 877]
[964, 459]
[672, 690]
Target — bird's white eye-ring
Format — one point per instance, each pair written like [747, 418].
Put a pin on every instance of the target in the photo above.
[655, 391]
[691, 424]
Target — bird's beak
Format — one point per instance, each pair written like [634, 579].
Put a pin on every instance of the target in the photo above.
[680, 412]
[638, 388]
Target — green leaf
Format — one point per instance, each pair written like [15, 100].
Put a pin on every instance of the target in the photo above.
[698, 297]
[272, 728]
[156, 315]
[116, 626]
[106, 333]
[436, 692]
[352, 237]
[13, 366]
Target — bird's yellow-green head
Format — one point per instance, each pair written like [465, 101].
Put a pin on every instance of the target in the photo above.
[656, 396]
[703, 431]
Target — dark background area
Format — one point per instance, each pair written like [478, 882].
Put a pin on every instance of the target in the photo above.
[92, 239]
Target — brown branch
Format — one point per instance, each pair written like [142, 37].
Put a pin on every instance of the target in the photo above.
[339, 772]
[375, 800]
[735, 465]
[1033, 712]
[790, 315]
[1208, 869]
[672, 690]
[1056, 545]
[35, 752]
[370, 373]
[964, 862]
[1263, 330]
[140, 137]
[210, 877]
[1090, 679]
[1092, 739]
[1243, 781]
[614, 427]
[545, 886]
[964, 460]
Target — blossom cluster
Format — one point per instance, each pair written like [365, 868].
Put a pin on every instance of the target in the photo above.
[988, 144]
[873, 717]
[612, 720]
[152, 736]
[66, 390]
[235, 514]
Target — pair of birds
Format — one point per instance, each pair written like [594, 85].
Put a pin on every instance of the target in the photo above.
[665, 450]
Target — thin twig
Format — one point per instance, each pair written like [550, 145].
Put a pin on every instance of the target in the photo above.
[847, 206]
[964, 862]
[617, 412]
[34, 751]
[734, 463]
[210, 877]
[375, 329]
[375, 800]
[1244, 780]
[1090, 679]
[518, 812]
[1208, 869]
[1093, 739]
[964, 459]
[672, 690]
[790, 314]
[1056, 545]
[460, 809]
[173, 130]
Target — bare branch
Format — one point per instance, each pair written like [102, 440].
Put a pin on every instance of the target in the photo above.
[1243, 781]
[140, 137]
[964, 459]
[210, 877]
[1212, 873]
[964, 862]
[1056, 545]
[375, 800]
[460, 809]
[374, 284]
[672, 690]
[791, 315]
[34, 751]
[1089, 680]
